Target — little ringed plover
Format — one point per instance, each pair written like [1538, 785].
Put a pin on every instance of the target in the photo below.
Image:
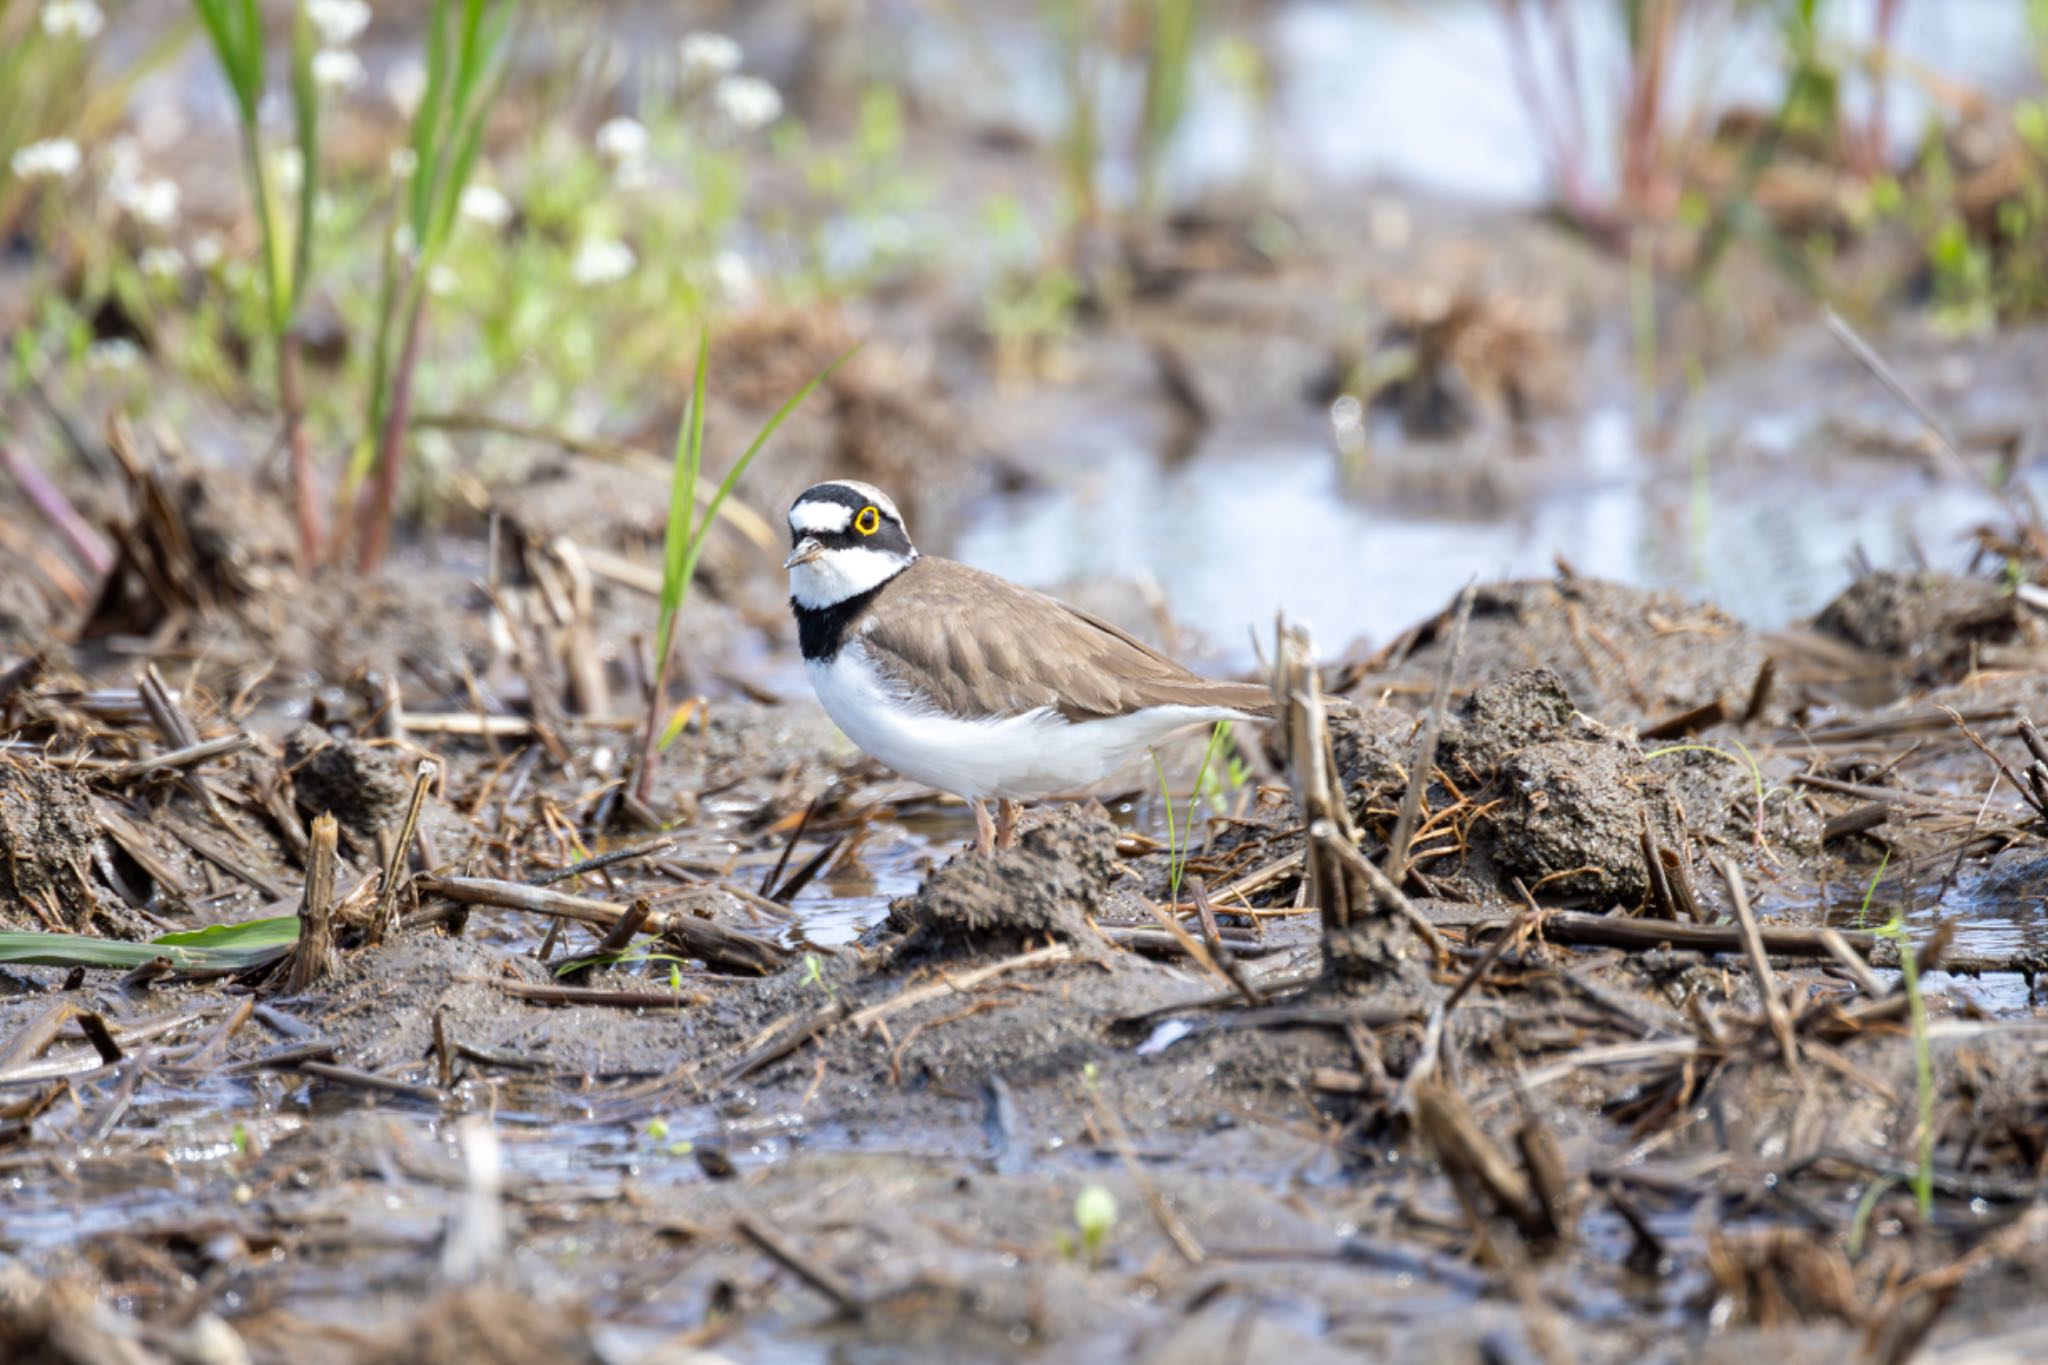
[966, 682]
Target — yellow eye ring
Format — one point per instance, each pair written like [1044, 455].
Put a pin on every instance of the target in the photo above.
[868, 522]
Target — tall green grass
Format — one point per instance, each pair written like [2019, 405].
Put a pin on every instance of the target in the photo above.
[235, 29]
[684, 538]
[466, 58]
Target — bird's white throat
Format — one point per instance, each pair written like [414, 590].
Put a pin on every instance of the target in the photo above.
[848, 571]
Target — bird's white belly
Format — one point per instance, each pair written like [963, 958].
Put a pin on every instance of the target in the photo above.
[1039, 753]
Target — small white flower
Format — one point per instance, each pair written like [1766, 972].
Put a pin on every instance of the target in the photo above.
[403, 162]
[153, 203]
[602, 260]
[79, 19]
[405, 84]
[337, 68]
[290, 167]
[733, 277]
[403, 242]
[207, 251]
[746, 102]
[485, 205]
[115, 353]
[622, 141]
[162, 263]
[441, 281]
[54, 158]
[707, 56]
[338, 22]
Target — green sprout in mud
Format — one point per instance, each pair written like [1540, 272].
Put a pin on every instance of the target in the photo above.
[1178, 839]
[1094, 1220]
[814, 975]
[1863, 910]
[658, 1134]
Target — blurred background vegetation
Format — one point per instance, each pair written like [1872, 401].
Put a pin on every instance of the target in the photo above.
[380, 231]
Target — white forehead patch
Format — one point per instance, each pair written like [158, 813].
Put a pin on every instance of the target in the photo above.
[811, 517]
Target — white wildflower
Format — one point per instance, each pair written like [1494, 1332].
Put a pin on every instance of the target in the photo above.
[602, 260]
[79, 19]
[338, 22]
[405, 84]
[54, 158]
[403, 241]
[622, 141]
[337, 68]
[207, 251]
[153, 203]
[746, 102]
[403, 162]
[734, 277]
[289, 165]
[485, 205]
[707, 56]
[441, 281]
[162, 263]
[114, 353]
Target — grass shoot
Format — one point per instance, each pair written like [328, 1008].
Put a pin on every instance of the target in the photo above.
[685, 536]
[1923, 1063]
[1180, 835]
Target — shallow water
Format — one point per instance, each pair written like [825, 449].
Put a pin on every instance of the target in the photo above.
[1243, 530]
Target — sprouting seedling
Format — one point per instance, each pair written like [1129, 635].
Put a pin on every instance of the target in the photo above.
[1863, 911]
[1178, 840]
[1094, 1217]
[814, 974]
[1923, 1062]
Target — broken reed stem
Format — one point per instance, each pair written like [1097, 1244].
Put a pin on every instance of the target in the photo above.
[311, 960]
[1760, 963]
[1423, 761]
[401, 852]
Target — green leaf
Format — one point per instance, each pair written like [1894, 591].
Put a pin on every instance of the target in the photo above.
[233, 946]
[682, 501]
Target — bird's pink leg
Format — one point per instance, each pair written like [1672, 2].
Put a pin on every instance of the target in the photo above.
[1006, 823]
[984, 829]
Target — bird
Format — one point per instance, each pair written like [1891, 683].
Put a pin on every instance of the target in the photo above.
[969, 683]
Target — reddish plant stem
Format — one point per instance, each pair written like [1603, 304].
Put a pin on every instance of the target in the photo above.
[380, 501]
[650, 737]
[305, 497]
[58, 511]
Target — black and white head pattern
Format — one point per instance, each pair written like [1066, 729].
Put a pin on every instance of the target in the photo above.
[846, 539]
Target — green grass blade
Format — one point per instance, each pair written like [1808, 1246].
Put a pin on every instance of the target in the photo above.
[231, 946]
[732, 478]
[682, 500]
[306, 111]
[277, 931]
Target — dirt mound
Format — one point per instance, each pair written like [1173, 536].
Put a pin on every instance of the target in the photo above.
[366, 789]
[48, 836]
[1935, 624]
[1048, 885]
[1626, 655]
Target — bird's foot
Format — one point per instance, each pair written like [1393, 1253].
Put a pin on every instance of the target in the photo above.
[1006, 823]
[984, 829]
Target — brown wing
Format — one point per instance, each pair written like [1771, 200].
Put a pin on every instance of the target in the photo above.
[979, 646]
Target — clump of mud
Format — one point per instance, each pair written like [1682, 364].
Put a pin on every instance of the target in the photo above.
[1047, 886]
[1626, 655]
[366, 789]
[48, 835]
[1934, 624]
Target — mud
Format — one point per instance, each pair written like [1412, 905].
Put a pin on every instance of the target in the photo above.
[1047, 886]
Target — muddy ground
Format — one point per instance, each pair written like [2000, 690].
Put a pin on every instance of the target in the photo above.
[1575, 1129]
[843, 1094]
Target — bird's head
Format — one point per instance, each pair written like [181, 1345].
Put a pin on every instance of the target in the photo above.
[846, 538]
